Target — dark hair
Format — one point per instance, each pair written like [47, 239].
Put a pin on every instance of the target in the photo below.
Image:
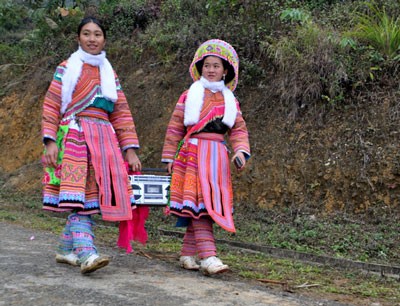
[90, 19]
[228, 77]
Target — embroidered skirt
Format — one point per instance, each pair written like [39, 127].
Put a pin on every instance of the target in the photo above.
[201, 181]
[93, 175]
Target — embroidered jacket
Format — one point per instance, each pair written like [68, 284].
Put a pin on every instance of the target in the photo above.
[88, 93]
[213, 108]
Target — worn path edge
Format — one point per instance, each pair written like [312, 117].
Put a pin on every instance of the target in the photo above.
[29, 275]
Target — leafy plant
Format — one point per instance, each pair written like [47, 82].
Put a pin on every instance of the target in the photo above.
[295, 14]
[381, 31]
[12, 15]
[14, 21]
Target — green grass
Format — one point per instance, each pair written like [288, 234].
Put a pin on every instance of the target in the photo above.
[379, 30]
[357, 238]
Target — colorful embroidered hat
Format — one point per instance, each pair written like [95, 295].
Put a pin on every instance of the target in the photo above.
[222, 49]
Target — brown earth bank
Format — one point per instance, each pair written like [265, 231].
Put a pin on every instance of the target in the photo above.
[324, 159]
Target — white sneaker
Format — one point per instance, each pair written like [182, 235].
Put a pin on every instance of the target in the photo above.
[93, 263]
[212, 265]
[188, 263]
[71, 259]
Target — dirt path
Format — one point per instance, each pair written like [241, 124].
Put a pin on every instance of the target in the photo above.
[30, 276]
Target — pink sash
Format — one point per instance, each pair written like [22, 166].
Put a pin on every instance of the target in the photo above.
[215, 180]
[110, 171]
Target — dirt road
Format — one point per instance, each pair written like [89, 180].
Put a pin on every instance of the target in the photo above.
[29, 275]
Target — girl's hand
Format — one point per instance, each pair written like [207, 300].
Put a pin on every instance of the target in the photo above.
[133, 160]
[239, 155]
[50, 157]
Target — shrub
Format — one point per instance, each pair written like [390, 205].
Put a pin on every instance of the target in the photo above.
[11, 54]
[13, 19]
[377, 29]
[184, 24]
[12, 15]
[309, 65]
[55, 32]
[123, 18]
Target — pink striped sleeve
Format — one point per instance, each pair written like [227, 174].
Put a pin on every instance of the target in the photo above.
[51, 107]
[175, 130]
[239, 136]
[122, 121]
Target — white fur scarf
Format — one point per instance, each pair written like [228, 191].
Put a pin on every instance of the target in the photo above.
[74, 70]
[195, 97]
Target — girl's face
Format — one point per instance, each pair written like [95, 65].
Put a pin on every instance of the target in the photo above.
[213, 69]
[91, 38]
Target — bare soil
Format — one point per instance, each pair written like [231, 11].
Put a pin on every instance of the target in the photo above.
[324, 161]
[341, 158]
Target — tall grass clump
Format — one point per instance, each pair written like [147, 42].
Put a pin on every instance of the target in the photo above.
[379, 31]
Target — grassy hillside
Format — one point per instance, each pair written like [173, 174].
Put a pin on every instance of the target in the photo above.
[319, 89]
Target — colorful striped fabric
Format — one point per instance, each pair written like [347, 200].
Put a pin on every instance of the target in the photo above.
[186, 198]
[86, 92]
[115, 191]
[213, 107]
[201, 183]
[82, 236]
[215, 181]
[93, 175]
[199, 239]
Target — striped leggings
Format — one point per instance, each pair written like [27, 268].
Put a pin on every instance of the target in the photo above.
[77, 237]
[199, 239]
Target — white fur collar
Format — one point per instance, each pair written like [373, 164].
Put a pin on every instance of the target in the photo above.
[195, 97]
[73, 72]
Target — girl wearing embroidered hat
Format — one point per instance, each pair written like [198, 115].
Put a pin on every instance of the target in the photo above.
[196, 155]
[86, 124]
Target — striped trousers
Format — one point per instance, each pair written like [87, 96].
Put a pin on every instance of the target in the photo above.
[199, 239]
[77, 237]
